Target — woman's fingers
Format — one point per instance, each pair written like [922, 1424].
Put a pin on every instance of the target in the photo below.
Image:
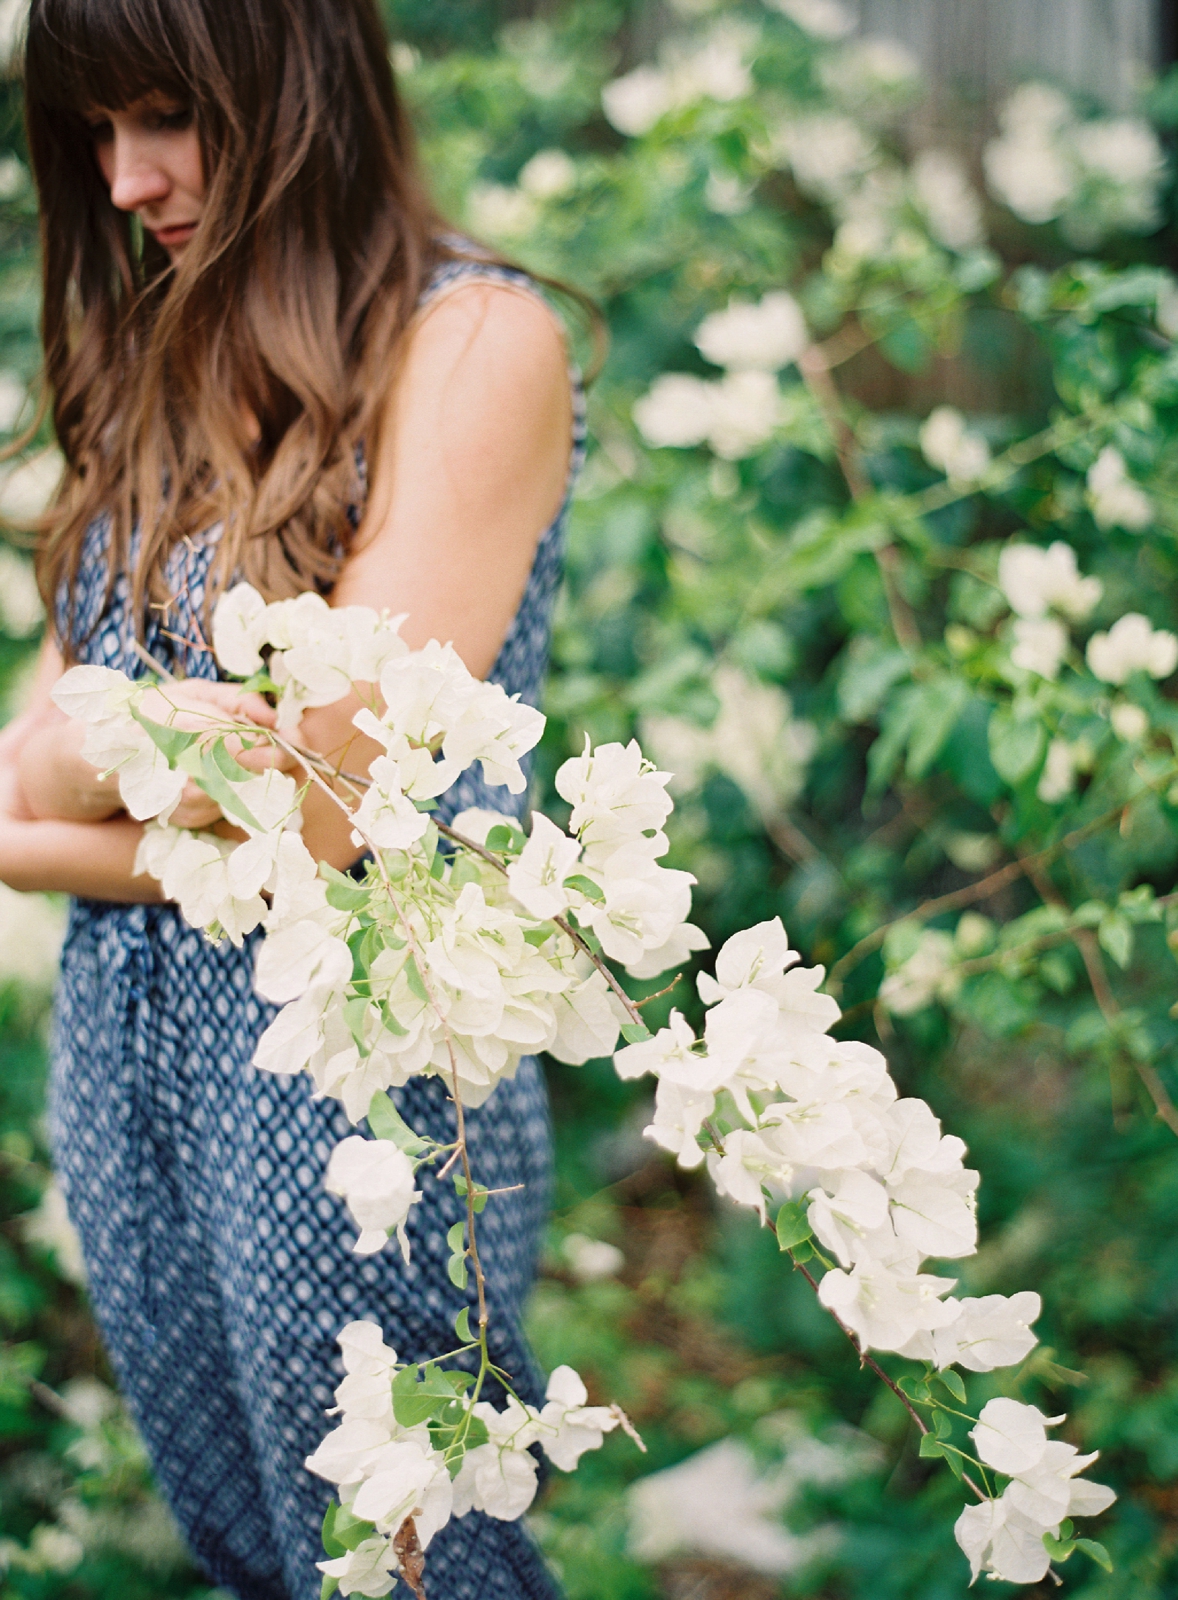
[194, 809]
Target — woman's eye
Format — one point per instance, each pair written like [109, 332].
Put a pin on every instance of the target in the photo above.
[100, 132]
[172, 121]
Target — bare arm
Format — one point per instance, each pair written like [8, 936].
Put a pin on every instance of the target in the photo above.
[470, 469]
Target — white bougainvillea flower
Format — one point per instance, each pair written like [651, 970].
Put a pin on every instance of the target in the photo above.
[676, 411]
[369, 1569]
[1132, 645]
[845, 1215]
[996, 1539]
[568, 1424]
[1036, 581]
[350, 1452]
[376, 1182]
[298, 958]
[407, 1479]
[679, 1116]
[885, 1307]
[1116, 500]
[1040, 645]
[755, 958]
[946, 442]
[1011, 1437]
[240, 622]
[994, 1331]
[616, 794]
[764, 335]
[93, 694]
[1058, 778]
[536, 877]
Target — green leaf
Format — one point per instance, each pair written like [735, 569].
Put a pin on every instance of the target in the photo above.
[229, 768]
[328, 1587]
[172, 742]
[387, 1122]
[456, 1236]
[504, 836]
[954, 1462]
[390, 1022]
[415, 1402]
[941, 703]
[260, 683]
[636, 1032]
[792, 1227]
[942, 1427]
[334, 1547]
[343, 893]
[1096, 1552]
[1115, 933]
[351, 1531]
[586, 886]
[930, 1445]
[479, 1194]
[1058, 1549]
[462, 1326]
[413, 977]
[355, 1013]
[202, 766]
[456, 1271]
[1016, 745]
[953, 1382]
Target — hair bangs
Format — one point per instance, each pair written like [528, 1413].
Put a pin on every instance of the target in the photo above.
[84, 54]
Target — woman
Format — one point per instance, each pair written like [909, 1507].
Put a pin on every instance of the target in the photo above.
[267, 359]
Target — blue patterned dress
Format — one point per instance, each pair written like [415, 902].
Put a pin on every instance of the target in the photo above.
[219, 1270]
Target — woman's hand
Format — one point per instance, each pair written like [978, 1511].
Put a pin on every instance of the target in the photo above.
[200, 706]
[55, 781]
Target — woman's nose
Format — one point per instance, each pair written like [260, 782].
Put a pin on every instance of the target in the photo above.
[135, 178]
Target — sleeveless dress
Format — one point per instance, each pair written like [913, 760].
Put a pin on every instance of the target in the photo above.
[220, 1271]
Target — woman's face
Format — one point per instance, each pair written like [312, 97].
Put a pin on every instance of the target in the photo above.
[150, 156]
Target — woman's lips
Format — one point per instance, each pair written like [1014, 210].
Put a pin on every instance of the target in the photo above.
[177, 234]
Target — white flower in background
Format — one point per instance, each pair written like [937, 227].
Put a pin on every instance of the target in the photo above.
[827, 153]
[765, 335]
[32, 927]
[589, 1260]
[926, 975]
[1116, 500]
[634, 104]
[718, 1503]
[871, 77]
[49, 1227]
[27, 488]
[501, 211]
[536, 877]
[1040, 645]
[746, 407]
[1058, 778]
[951, 205]
[825, 19]
[1098, 176]
[947, 443]
[13, 396]
[755, 740]
[240, 629]
[548, 175]
[1132, 645]
[726, 195]
[1024, 166]
[1035, 581]
[675, 411]
[1129, 722]
[714, 67]
[369, 1569]
[376, 1182]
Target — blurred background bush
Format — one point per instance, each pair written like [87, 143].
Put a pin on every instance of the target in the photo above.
[785, 579]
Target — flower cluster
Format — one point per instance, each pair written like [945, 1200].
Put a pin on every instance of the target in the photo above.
[714, 67]
[735, 414]
[1097, 177]
[454, 951]
[1005, 1536]
[427, 1449]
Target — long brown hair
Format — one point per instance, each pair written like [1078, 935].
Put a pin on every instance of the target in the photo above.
[315, 239]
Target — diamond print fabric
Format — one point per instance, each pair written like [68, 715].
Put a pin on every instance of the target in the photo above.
[220, 1270]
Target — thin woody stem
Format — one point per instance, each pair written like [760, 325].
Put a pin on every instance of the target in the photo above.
[815, 370]
[561, 922]
[972, 892]
[423, 971]
[869, 1361]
